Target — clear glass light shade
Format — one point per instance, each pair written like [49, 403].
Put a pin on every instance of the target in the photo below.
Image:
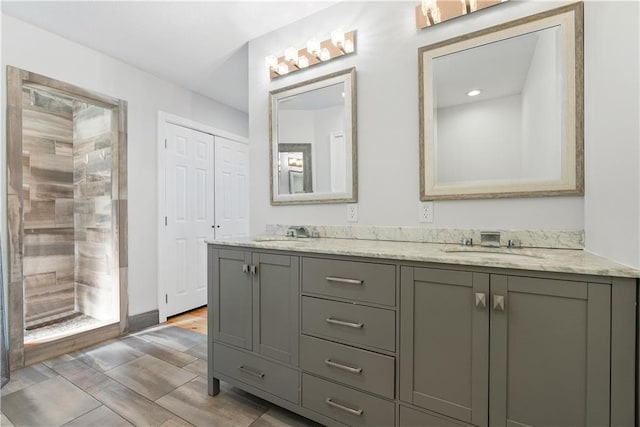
[313, 46]
[337, 38]
[348, 46]
[428, 5]
[271, 62]
[283, 68]
[291, 54]
[324, 54]
[303, 62]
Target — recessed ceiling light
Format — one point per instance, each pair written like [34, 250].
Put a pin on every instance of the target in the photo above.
[474, 92]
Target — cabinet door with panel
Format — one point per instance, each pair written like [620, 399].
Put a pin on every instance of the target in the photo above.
[549, 352]
[444, 342]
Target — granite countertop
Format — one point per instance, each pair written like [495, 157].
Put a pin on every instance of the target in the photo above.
[536, 259]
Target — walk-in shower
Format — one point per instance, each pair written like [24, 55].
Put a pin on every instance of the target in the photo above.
[67, 207]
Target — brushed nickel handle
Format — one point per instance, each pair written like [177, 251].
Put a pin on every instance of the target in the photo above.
[351, 369]
[481, 300]
[251, 371]
[352, 411]
[253, 269]
[343, 280]
[498, 303]
[343, 323]
[245, 268]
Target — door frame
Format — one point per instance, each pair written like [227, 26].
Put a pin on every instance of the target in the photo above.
[165, 118]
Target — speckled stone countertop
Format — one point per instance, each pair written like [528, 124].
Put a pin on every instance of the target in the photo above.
[552, 260]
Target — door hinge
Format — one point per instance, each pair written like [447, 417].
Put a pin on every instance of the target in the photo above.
[166, 298]
[165, 221]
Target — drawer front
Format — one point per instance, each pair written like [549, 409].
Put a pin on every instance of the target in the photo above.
[256, 371]
[359, 281]
[353, 324]
[344, 404]
[363, 369]
[411, 418]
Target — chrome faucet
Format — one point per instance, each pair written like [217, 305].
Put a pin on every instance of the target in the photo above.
[297, 232]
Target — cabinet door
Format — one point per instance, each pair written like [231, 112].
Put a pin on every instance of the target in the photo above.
[231, 287]
[549, 352]
[444, 342]
[275, 296]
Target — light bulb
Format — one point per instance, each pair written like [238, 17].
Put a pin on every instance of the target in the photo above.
[337, 38]
[324, 54]
[303, 61]
[291, 54]
[427, 5]
[348, 46]
[313, 46]
[474, 92]
[283, 69]
[271, 62]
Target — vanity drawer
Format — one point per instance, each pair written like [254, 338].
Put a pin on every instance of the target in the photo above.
[373, 327]
[409, 417]
[359, 281]
[256, 371]
[344, 404]
[363, 369]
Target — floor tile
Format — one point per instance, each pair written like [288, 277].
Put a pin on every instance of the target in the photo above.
[192, 403]
[150, 377]
[136, 409]
[279, 417]
[81, 374]
[108, 356]
[176, 422]
[199, 351]
[26, 377]
[175, 338]
[52, 363]
[50, 403]
[161, 352]
[198, 367]
[4, 421]
[99, 417]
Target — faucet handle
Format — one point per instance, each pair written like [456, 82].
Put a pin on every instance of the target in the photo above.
[514, 243]
[466, 241]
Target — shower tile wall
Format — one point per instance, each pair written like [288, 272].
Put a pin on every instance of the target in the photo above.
[96, 268]
[48, 207]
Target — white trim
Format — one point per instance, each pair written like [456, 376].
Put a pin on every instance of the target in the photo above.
[163, 119]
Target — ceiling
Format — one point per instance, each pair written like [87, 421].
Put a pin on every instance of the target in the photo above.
[201, 46]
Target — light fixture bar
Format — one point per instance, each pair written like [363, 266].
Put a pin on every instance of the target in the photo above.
[431, 12]
[315, 52]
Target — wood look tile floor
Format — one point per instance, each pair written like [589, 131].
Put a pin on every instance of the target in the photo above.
[156, 377]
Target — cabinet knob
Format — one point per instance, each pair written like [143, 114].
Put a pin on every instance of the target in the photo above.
[481, 300]
[498, 303]
[245, 268]
[253, 269]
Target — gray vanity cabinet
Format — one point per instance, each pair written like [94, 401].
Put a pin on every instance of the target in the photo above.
[531, 351]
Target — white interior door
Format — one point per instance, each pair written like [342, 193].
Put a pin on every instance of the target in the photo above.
[232, 188]
[189, 176]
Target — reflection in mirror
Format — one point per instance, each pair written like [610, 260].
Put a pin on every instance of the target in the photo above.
[313, 141]
[501, 116]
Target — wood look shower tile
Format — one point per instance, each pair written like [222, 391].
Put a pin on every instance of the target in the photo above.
[135, 408]
[99, 417]
[26, 377]
[50, 403]
[41, 124]
[64, 212]
[108, 355]
[176, 338]
[42, 214]
[177, 358]
[64, 149]
[38, 145]
[151, 377]
[192, 403]
[49, 191]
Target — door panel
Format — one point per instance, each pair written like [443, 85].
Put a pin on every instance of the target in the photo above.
[232, 188]
[542, 351]
[444, 353]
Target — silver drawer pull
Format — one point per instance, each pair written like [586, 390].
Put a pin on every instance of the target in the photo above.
[342, 280]
[251, 372]
[343, 323]
[343, 408]
[351, 369]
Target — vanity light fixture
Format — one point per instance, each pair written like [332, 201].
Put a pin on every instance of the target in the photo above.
[431, 12]
[474, 92]
[340, 44]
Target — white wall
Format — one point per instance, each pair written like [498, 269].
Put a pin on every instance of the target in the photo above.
[612, 135]
[480, 140]
[387, 76]
[33, 49]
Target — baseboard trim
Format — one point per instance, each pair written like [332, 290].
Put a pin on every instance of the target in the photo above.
[141, 321]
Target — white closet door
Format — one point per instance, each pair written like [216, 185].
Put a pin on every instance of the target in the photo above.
[190, 216]
[232, 188]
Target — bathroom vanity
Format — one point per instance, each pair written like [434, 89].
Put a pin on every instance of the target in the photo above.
[357, 332]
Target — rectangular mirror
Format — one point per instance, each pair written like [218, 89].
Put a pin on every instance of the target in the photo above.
[501, 111]
[313, 141]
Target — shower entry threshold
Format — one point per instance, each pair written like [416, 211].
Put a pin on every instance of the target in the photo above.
[71, 325]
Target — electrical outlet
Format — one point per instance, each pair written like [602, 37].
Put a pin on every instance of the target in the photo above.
[352, 212]
[425, 212]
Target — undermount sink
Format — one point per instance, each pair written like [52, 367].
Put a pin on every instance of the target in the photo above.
[498, 253]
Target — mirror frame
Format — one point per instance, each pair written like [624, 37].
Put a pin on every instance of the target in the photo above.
[348, 77]
[570, 19]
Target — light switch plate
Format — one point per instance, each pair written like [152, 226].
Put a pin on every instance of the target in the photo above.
[425, 212]
[352, 212]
